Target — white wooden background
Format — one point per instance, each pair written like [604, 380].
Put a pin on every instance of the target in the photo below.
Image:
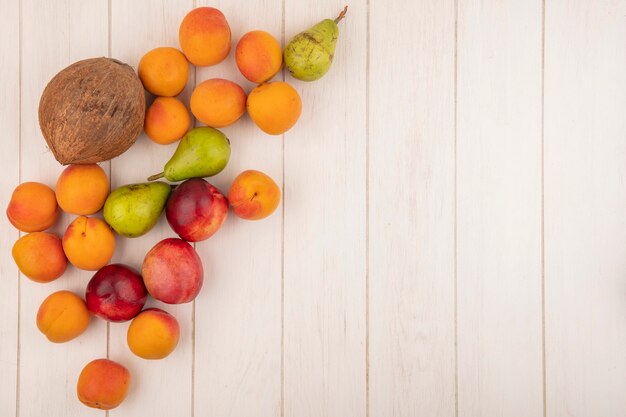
[452, 239]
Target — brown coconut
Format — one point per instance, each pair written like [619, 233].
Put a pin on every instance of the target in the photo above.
[92, 111]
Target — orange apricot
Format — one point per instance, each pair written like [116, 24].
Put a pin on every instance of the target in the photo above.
[33, 207]
[88, 243]
[218, 102]
[164, 71]
[40, 256]
[204, 36]
[62, 316]
[103, 384]
[167, 120]
[253, 195]
[275, 107]
[153, 334]
[258, 56]
[82, 189]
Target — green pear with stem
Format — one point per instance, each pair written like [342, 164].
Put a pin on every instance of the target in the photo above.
[134, 209]
[202, 152]
[309, 55]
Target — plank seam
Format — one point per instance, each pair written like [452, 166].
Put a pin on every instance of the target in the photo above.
[543, 268]
[456, 246]
[367, 211]
[193, 352]
[19, 177]
[282, 241]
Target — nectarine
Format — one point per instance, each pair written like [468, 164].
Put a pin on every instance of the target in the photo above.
[172, 271]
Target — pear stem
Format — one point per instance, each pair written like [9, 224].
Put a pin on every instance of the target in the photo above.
[342, 14]
[156, 176]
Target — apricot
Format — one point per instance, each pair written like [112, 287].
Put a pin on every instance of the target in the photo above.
[258, 56]
[164, 71]
[62, 316]
[33, 207]
[204, 36]
[153, 334]
[82, 189]
[253, 195]
[40, 256]
[103, 384]
[218, 102]
[275, 107]
[167, 120]
[88, 243]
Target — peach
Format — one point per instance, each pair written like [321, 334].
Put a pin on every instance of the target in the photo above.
[204, 36]
[258, 56]
[153, 334]
[253, 195]
[82, 189]
[33, 207]
[103, 384]
[218, 103]
[62, 316]
[88, 243]
[40, 256]
[164, 71]
[275, 107]
[167, 120]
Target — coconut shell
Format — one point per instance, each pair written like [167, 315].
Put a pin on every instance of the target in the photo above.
[92, 111]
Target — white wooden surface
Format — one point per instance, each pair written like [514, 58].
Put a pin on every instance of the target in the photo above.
[452, 238]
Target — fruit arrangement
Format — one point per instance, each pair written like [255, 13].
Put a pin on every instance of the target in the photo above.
[95, 110]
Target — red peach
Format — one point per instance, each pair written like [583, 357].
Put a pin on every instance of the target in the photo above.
[172, 271]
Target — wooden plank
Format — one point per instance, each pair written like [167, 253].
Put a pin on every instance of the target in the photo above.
[585, 220]
[499, 255]
[238, 314]
[54, 35]
[160, 387]
[411, 206]
[324, 225]
[10, 162]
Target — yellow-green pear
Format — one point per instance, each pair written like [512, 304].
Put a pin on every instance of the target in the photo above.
[309, 54]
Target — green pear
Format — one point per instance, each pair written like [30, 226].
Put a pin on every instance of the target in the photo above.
[310, 53]
[202, 152]
[132, 210]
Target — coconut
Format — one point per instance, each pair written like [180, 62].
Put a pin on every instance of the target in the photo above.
[92, 111]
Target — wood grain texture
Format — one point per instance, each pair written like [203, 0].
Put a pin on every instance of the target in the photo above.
[324, 236]
[161, 387]
[411, 209]
[10, 178]
[500, 369]
[238, 314]
[345, 303]
[54, 34]
[585, 202]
